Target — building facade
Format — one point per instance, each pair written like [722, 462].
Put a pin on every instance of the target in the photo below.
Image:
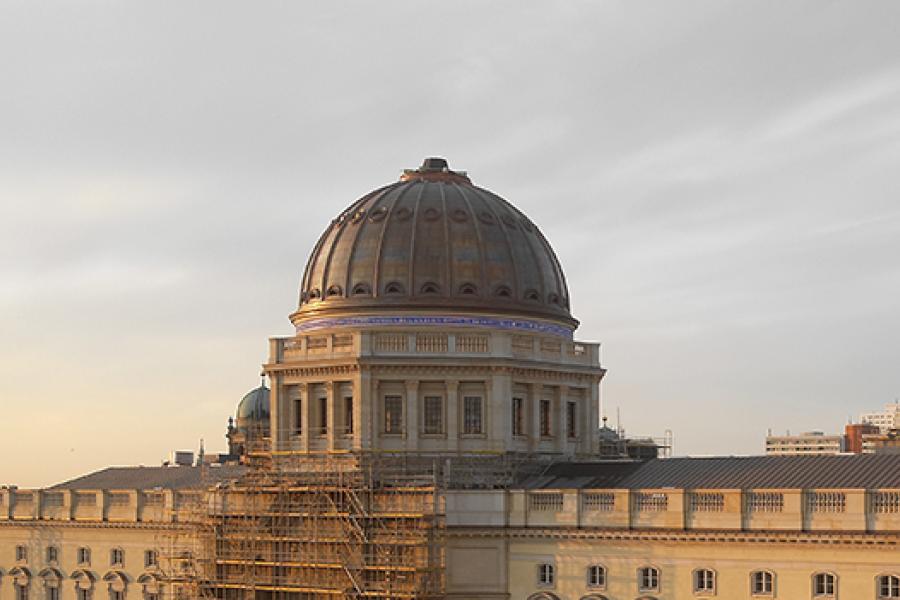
[432, 430]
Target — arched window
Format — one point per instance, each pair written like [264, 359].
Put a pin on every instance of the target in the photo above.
[393, 289]
[150, 587]
[704, 581]
[596, 576]
[21, 579]
[543, 596]
[762, 583]
[888, 586]
[51, 580]
[84, 582]
[503, 291]
[430, 288]
[824, 585]
[546, 574]
[334, 290]
[648, 579]
[362, 289]
[116, 582]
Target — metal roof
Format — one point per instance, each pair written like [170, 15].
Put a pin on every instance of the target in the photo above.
[181, 477]
[859, 471]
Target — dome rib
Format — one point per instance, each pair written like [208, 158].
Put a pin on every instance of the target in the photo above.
[518, 291]
[483, 285]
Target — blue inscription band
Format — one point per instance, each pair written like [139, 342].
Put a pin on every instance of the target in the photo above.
[487, 322]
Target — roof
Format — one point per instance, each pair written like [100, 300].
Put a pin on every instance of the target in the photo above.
[181, 477]
[857, 471]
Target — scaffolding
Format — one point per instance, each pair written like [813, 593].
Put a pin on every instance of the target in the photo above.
[302, 527]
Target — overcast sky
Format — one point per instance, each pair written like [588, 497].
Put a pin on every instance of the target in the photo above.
[721, 181]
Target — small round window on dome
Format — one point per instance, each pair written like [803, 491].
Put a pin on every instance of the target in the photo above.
[509, 221]
[553, 299]
[362, 289]
[503, 291]
[315, 294]
[430, 289]
[468, 289]
[378, 214]
[358, 216]
[532, 296]
[334, 290]
[403, 214]
[459, 215]
[431, 214]
[393, 289]
[487, 218]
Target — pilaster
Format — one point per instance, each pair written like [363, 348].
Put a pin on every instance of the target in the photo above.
[412, 414]
[452, 415]
[331, 415]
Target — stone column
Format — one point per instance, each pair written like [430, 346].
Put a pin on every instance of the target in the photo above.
[412, 415]
[375, 420]
[305, 417]
[279, 421]
[331, 407]
[562, 396]
[360, 384]
[500, 411]
[534, 413]
[452, 425]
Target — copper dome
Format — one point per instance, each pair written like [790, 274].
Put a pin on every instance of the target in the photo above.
[433, 241]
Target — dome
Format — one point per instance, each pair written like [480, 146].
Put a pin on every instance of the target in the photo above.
[433, 241]
[254, 408]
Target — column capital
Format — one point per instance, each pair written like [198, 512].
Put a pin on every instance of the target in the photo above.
[412, 385]
[303, 387]
[452, 385]
[329, 386]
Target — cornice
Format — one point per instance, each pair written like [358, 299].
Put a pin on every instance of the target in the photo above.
[663, 536]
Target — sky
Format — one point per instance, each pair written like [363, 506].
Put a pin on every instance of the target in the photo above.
[719, 179]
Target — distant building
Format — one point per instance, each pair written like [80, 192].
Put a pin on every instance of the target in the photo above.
[885, 420]
[881, 443]
[809, 443]
[854, 434]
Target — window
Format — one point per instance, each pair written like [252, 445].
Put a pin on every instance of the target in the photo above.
[52, 592]
[888, 586]
[151, 559]
[21, 592]
[116, 557]
[571, 412]
[434, 414]
[768, 502]
[323, 415]
[348, 414]
[762, 583]
[21, 553]
[116, 594]
[84, 556]
[545, 501]
[52, 554]
[651, 501]
[826, 502]
[518, 425]
[648, 579]
[823, 585]
[596, 576]
[472, 415]
[545, 418]
[82, 594]
[707, 502]
[545, 574]
[298, 416]
[393, 414]
[704, 581]
[598, 501]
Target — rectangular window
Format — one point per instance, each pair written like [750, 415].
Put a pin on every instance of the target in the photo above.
[434, 414]
[52, 592]
[707, 502]
[762, 583]
[21, 592]
[116, 595]
[599, 501]
[52, 554]
[596, 576]
[545, 418]
[648, 579]
[766, 502]
[348, 414]
[298, 416]
[323, 416]
[21, 553]
[393, 414]
[116, 557]
[84, 556]
[151, 559]
[545, 501]
[545, 574]
[83, 594]
[518, 422]
[472, 415]
[571, 412]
